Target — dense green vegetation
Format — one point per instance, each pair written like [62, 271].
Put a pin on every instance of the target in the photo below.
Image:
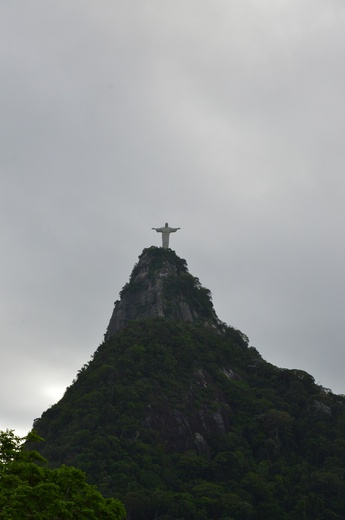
[272, 442]
[30, 490]
[182, 420]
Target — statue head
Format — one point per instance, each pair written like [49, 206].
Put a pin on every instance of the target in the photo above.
[166, 224]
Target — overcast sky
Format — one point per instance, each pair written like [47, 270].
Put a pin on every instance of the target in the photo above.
[223, 117]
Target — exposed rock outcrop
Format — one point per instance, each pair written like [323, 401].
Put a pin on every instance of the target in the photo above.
[161, 286]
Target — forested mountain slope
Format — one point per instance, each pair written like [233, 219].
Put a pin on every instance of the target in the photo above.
[178, 417]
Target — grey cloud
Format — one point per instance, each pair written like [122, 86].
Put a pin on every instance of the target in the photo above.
[225, 119]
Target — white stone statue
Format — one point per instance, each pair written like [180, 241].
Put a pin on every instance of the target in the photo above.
[166, 230]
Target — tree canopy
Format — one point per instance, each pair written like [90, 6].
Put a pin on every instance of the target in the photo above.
[31, 490]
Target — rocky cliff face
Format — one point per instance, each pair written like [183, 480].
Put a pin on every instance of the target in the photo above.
[190, 427]
[161, 286]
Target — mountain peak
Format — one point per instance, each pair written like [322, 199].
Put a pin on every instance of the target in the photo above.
[160, 285]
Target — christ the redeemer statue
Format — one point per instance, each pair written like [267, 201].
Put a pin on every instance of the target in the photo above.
[166, 230]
